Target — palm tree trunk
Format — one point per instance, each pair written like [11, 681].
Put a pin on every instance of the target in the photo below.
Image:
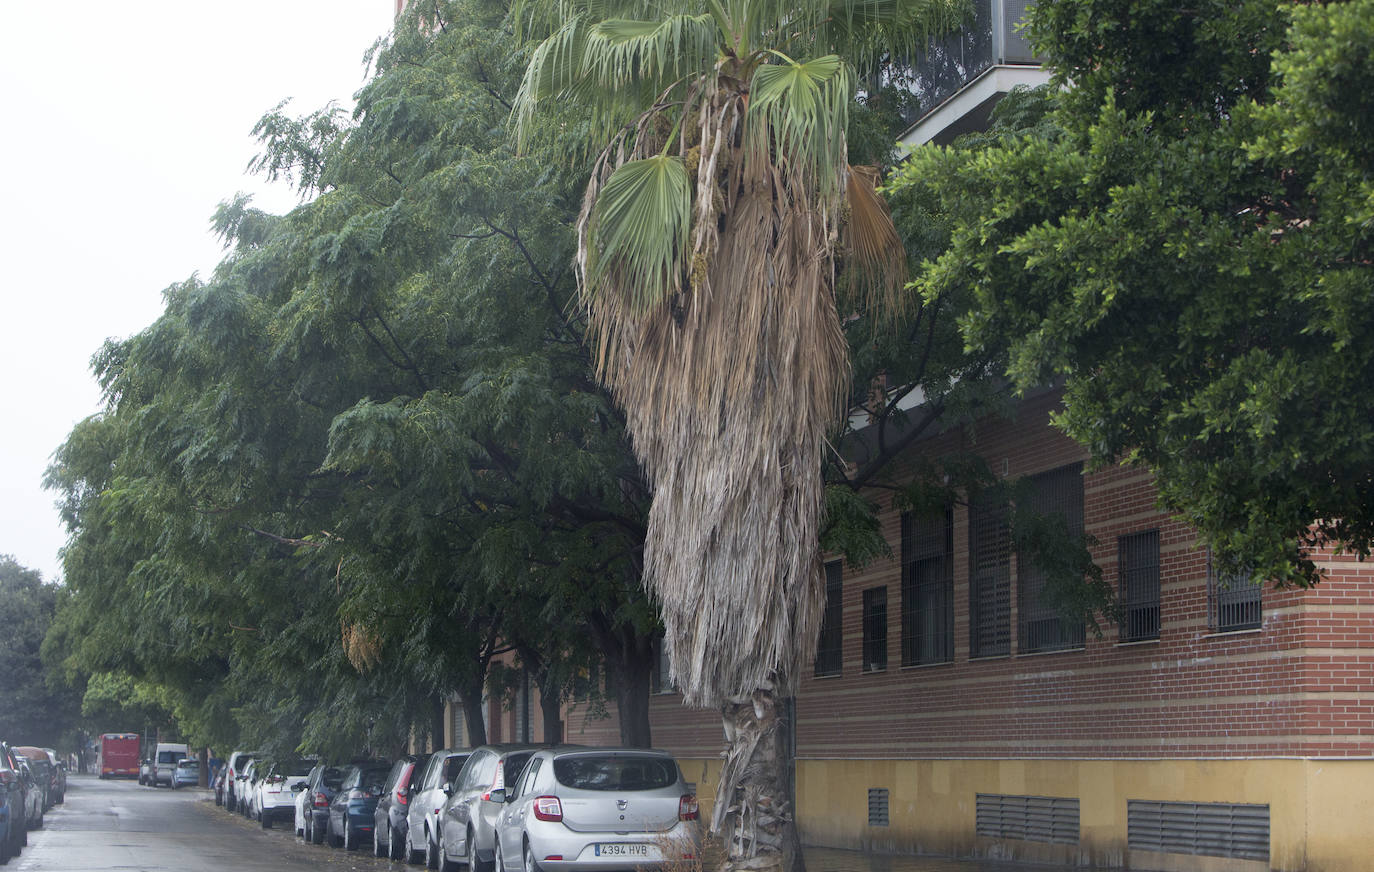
[753, 811]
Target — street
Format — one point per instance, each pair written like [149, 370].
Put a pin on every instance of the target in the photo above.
[109, 825]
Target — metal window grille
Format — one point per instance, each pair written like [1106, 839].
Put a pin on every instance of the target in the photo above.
[989, 547]
[875, 629]
[1054, 494]
[928, 588]
[1051, 819]
[1137, 566]
[1234, 602]
[1211, 829]
[830, 647]
[877, 807]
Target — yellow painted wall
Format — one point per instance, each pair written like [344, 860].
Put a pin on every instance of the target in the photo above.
[1321, 812]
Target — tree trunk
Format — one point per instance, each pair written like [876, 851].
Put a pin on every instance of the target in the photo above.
[204, 780]
[753, 814]
[551, 706]
[631, 676]
[436, 724]
[471, 700]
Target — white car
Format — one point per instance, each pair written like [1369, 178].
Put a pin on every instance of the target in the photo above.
[275, 794]
[427, 804]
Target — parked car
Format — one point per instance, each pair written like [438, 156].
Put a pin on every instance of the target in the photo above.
[42, 769]
[389, 819]
[276, 792]
[422, 821]
[187, 773]
[312, 808]
[217, 784]
[467, 828]
[165, 762]
[596, 809]
[59, 770]
[238, 761]
[33, 806]
[350, 811]
[14, 801]
[248, 786]
[145, 770]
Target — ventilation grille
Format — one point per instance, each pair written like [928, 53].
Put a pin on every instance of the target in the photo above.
[877, 807]
[1029, 818]
[1016, 48]
[1211, 829]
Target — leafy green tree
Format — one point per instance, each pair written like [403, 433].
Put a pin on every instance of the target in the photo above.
[708, 252]
[1191, 255]
[35, 709]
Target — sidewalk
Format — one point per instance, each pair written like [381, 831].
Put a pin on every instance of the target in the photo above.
[836, 860]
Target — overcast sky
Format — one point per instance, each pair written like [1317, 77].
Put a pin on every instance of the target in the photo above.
[125, 124]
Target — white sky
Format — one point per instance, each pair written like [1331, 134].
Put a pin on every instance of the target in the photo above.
[125, 125]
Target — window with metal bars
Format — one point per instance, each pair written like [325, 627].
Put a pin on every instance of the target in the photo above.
[875, 629]
[1137, 567]
[1234, 602]
[830, 647]
[989, 557]
[927, 588]
[1057, 494]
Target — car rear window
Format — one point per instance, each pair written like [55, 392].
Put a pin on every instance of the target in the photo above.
[332, 778]
[170, 756]
[610, 772]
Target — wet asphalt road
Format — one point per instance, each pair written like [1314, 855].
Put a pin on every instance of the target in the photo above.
[118, 825]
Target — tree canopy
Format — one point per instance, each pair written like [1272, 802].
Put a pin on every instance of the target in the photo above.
[1186, 245]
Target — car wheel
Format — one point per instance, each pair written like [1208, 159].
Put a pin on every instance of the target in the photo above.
[312, 831]
[413, 855]
[531, 865]
[498, 861]
[377, 842]
[337, 840]
[445, 864]
[474, 862]
[431, 852]
[348, 843]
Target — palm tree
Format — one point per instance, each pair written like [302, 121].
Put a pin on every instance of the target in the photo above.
[720, 218]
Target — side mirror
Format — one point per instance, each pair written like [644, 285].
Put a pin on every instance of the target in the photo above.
[448, 789]
[500, 795]
[375, 790]
[299, 785]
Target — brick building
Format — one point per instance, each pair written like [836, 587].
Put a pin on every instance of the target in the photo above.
[1222, 725]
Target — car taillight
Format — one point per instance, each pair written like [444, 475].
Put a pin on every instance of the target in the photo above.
[321, 801]
[548, 808]
[688, 808]
[276, 779]
[403, 797]
[496, 783]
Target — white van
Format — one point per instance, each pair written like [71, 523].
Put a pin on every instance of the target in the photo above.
[165, 763]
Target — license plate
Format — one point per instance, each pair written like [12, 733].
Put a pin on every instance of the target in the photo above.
[621, 849]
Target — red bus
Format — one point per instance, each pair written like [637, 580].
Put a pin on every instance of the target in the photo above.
[118, 755]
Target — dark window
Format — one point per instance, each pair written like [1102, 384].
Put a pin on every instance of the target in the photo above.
[989, 557]
[639, 772]
[875, 629]
[1137, 566]
[1233, 601]
[927, 588]
[830, 647]
[1058, 497]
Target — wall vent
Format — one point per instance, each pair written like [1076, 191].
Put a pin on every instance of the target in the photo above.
[1030, 818]
[877, 807]
[1213, 829]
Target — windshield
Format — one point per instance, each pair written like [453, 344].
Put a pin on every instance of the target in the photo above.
[611, 772]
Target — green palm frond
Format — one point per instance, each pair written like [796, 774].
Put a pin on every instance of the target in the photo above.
[638, 232]
[620, 52]
[555, 68]
[803, 109]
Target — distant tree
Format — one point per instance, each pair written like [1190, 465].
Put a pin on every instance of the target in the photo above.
[35, 708]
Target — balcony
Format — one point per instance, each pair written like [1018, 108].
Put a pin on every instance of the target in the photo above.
[961, 76]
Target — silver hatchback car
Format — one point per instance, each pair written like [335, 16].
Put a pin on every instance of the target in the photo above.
[599, 810]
